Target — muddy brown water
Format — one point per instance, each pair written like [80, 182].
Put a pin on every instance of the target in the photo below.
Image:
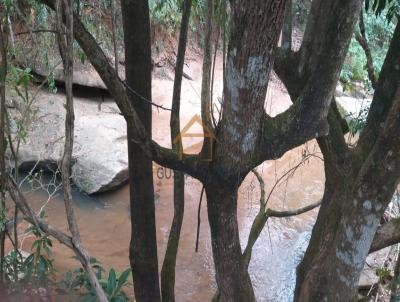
[105, 228]
[105, 224]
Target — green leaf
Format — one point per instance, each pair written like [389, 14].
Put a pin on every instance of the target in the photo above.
[112, 281]
[123, 279]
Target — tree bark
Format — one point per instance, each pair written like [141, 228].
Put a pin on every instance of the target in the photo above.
[362, 40]
[64, 10]
[3, 213]
[346, 227]
[359, 185]
[387, 234]
[143, 246]
[287, 30]
[169, 264]
[232, 277]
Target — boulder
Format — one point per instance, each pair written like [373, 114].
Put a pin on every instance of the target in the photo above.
[102, 159]
[339, 90]
[100, 155]
[84, 74]
[354, 107]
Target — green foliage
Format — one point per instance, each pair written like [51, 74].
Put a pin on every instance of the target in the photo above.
[166, 13]
[378, 33]
[20, 79]
[38, 266]
[51, 84]
[78, 282]
[3, 218]
[300, 11]
[33, 271]
[379, 7]
[356, 124]
[382, 273]
[14, 266]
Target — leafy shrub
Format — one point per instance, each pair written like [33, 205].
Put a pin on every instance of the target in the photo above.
[378, 33]
[77, 281]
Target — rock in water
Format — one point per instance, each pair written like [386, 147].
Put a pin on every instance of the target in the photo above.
[100, 155]
[102, 163]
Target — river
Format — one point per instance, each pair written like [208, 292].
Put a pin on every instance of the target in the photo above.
[105, 227]
[104, 221]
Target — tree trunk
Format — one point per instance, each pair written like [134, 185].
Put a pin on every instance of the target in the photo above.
[169, 264]
[143, 246]
[3, 213]
[233, 280]
[287, 29]
[339, 245]
[359, 185]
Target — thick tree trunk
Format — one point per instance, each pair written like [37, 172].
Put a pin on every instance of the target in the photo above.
[233, 280]
[339, 245]
[312, 283]
[359, 185]
[143, 246]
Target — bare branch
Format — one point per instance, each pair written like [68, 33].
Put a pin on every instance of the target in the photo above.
[205, 83]
[199, 220]
[389, 79]
[169, 263]
[36, 31]
[163, 156]
[362, 40]
[280, 214]
[287, 27]
[50, 230]
[3, 74]
[64, 9]
[387, 234]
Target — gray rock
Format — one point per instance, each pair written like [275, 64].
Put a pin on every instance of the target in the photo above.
[339, 90]
[83, 75]
[100, 155]
[102, 158]
[354, 107]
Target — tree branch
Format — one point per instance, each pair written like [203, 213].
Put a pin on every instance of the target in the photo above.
[3, 146]
[287, 27]
[163, 156]
[65, 42]
[387, 234]
[362, 40]
[385, 91]
[281, 214]
[169, 263]
[264, 214]
[315, 72]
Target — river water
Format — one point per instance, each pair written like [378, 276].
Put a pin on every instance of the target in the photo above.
[104, 218]
[105, 227]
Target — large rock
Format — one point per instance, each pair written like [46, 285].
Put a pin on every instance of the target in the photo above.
[354, 107]
[102, 163]
[100, 156]
[84, 75]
